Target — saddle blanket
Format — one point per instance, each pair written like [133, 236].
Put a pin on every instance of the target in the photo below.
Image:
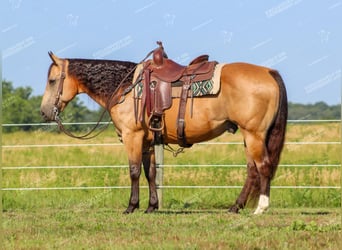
[202, 88]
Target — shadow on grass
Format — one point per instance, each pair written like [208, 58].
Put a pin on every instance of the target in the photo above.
[204, 211]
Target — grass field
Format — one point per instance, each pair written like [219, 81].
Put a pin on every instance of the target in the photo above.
[190, 218]
[203, 229]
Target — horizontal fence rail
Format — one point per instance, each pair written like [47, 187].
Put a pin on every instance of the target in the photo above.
[163, 165]
[172, 166]
[120, 144]
[105, 123]
[163, 187]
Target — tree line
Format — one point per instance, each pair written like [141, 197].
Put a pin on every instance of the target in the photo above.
[19, 106]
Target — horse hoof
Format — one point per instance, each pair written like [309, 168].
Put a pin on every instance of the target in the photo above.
[150, 209]
[234, 209]
[130, 209]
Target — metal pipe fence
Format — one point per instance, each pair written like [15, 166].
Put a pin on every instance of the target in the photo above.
[162, 166]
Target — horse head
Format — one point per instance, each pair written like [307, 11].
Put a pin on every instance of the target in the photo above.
[60, 89]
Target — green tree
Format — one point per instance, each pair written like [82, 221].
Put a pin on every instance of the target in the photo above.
[317, 111]
[20, 107]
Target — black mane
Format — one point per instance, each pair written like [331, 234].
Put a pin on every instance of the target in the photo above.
[101, 77]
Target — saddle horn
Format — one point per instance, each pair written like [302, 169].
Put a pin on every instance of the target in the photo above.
[159, 54]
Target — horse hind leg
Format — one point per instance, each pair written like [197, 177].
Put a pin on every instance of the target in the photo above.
[251, 187]
[257, 152]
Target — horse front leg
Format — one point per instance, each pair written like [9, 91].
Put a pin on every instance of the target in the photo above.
[134, 172]
[149, 164]
[134, 149]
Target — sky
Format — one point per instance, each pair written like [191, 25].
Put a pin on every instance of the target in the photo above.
[302, 39]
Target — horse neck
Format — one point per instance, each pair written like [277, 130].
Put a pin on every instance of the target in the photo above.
[100, 79]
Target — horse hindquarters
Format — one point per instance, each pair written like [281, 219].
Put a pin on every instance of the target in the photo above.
[263, 153]
[274, 144]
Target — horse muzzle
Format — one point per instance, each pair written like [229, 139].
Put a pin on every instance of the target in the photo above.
[50, 115]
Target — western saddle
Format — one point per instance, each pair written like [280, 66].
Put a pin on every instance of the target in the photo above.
[158, 76]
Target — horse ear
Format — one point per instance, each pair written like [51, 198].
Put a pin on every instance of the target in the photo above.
[56, 60]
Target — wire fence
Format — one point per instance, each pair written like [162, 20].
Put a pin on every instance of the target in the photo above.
[13, 147]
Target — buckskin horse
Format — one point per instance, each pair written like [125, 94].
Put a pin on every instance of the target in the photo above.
[251, 98]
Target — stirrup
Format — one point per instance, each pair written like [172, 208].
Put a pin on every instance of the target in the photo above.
[154, 129]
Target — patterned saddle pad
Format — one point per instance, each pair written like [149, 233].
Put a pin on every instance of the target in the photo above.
[201, 88]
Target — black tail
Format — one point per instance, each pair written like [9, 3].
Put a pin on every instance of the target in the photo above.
[276, 133]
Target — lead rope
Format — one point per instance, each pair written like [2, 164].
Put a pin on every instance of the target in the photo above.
[126, 91]
[87, 135]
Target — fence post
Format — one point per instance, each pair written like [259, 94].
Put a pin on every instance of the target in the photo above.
[159, 154]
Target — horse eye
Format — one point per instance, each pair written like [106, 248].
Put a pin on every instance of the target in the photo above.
[52, 81]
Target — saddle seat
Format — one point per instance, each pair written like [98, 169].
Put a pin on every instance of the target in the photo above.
[168, 70]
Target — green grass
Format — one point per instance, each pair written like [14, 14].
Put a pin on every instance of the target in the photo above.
[189, 219]
[171, 229]
[173, 198]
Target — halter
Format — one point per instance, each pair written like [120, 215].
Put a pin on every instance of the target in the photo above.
[59, 92]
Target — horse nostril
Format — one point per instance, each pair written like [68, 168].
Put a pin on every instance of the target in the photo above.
[45, 117]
